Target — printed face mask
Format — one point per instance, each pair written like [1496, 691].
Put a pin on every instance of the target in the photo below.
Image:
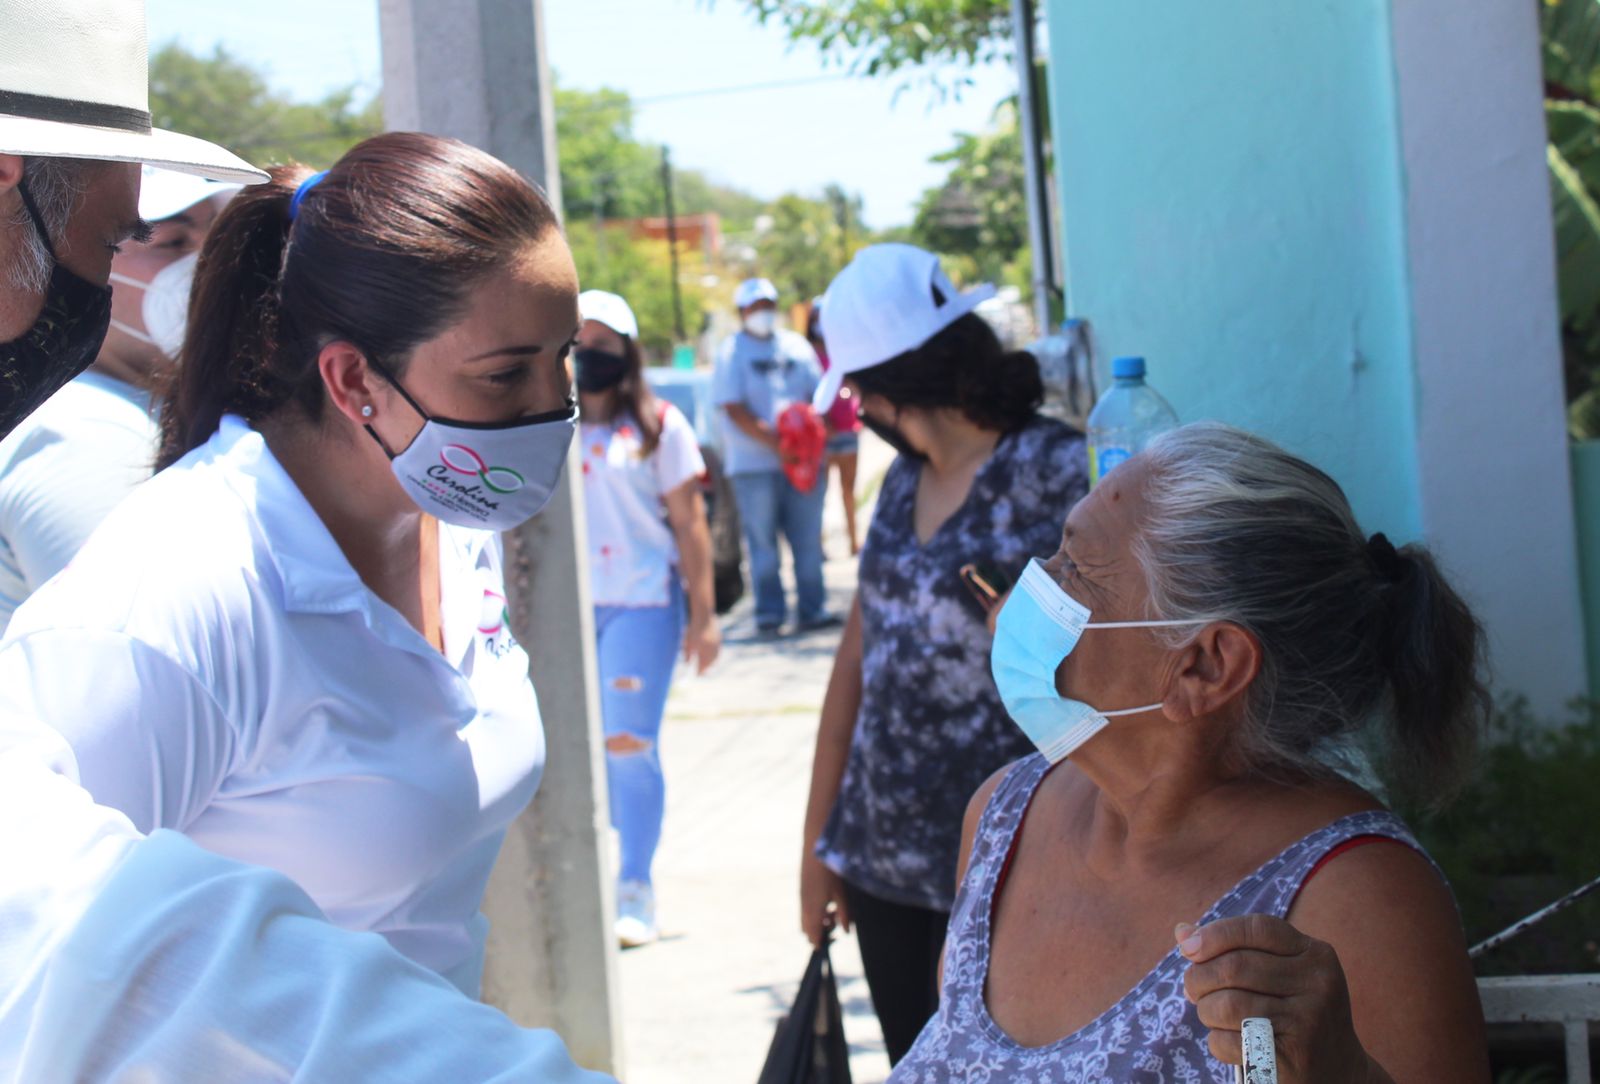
[62, 342]
[761, 322]
[165, 309]
[495, 477]
[598, 370]
[1038, 627]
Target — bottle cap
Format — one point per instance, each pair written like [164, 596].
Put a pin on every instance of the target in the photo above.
[1127, 368]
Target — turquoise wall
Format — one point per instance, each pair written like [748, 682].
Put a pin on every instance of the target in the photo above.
[1232, 202]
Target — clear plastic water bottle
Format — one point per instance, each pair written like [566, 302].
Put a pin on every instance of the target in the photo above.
[1125, 419]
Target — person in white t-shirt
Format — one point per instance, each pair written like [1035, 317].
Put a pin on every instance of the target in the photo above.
[291, 644]
[74, 459]
[648, 541]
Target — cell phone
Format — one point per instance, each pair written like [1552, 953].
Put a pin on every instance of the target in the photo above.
[986, 583]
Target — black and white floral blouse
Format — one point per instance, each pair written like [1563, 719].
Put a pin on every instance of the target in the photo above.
[931, 727]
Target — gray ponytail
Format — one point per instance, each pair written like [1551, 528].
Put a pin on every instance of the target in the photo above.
[1351, 630]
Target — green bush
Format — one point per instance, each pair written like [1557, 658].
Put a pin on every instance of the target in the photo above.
[1524, 831]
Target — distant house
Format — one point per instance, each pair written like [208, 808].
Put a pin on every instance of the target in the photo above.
[701, 232]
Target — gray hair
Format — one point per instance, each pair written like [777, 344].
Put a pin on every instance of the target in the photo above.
[56, 184]
[1351, 631]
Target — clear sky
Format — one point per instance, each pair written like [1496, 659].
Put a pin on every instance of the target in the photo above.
[767, 141]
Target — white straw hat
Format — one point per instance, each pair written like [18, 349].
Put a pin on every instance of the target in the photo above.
[610, 310]
[75, 83]
[892, 298]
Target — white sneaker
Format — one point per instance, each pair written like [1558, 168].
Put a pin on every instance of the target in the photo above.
[636, 914]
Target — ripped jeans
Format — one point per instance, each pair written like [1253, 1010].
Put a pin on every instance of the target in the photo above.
[638, 646]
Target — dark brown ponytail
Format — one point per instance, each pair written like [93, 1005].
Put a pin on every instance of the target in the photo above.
[382, 253]
[1432, 648]
[232, 325]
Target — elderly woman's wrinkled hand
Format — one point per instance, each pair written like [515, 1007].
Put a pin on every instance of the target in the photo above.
[1258, 965]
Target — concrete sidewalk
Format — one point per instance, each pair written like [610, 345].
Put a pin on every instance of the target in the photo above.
[700, 1006]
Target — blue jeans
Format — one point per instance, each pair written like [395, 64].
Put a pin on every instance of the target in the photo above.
[637, 648]
[768, 504]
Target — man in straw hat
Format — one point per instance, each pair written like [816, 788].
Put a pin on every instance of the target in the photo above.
[74, 129]
[126, 957]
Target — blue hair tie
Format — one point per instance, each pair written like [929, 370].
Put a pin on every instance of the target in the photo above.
[300, 193]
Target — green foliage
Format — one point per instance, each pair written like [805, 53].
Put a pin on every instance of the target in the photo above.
[978, 219]
[1523, 833]
[809, 242]
[220, 98]
[1571, 35]
[605, 171]
[879, 37]
[641, 271]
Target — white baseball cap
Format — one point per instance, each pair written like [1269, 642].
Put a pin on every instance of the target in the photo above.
[75, 83]
[610, 310]
[164, 192]
[752, 290]
[892, 298]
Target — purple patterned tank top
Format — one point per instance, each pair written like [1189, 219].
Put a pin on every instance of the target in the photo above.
[1152, 1035]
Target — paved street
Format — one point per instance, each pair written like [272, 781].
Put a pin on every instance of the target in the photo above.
[701, 1005]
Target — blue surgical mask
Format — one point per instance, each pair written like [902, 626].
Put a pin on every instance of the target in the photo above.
[1038, 627]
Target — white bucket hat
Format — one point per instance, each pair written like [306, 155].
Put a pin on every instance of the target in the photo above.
[75, 83]
[610, 310]
[892, 298]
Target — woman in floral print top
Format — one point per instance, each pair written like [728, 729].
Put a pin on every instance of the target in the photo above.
[912, 724]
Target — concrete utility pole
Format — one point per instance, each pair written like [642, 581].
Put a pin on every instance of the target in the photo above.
[1035, 177]
[476, 70]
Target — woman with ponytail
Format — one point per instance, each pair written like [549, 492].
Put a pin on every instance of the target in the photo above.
[1181, 871]
[911, 722]
[297, 631]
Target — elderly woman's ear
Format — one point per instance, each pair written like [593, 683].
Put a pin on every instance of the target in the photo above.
[1212, 674]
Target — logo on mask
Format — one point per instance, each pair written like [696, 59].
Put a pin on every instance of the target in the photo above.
[494, 615]
[463, 460]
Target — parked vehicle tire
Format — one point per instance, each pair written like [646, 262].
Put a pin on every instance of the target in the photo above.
[727, 554]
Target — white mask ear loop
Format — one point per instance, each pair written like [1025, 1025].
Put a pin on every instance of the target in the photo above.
[127, 329]
[1138, 625]
[134, 333]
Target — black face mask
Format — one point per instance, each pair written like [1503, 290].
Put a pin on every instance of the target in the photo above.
[892, 437]
[62, 341]
[599, 370]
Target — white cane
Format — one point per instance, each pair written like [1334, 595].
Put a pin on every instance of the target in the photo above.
[1260, 1053]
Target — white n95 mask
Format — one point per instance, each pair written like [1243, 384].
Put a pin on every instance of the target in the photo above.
[165, 308]
[492, 476]
[1038, 627]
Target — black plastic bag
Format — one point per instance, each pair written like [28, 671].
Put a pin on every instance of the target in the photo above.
[809, 1045]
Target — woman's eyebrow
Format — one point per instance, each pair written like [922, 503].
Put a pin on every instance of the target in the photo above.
[507, 350]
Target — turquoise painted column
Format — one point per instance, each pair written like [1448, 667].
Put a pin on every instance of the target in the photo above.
[1270, 201]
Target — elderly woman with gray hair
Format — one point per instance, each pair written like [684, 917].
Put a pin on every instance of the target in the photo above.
[1179, 857]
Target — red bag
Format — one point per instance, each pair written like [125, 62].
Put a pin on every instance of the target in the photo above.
[802, 441]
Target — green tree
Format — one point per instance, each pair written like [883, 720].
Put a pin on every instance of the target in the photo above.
[809, 241]
[1571, 35]
[879, 37]
[979, 217]
[606, 172]
[223, 99]
[640, 271]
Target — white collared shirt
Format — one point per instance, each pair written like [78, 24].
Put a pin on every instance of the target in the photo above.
[218, 667]
[62, 470]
